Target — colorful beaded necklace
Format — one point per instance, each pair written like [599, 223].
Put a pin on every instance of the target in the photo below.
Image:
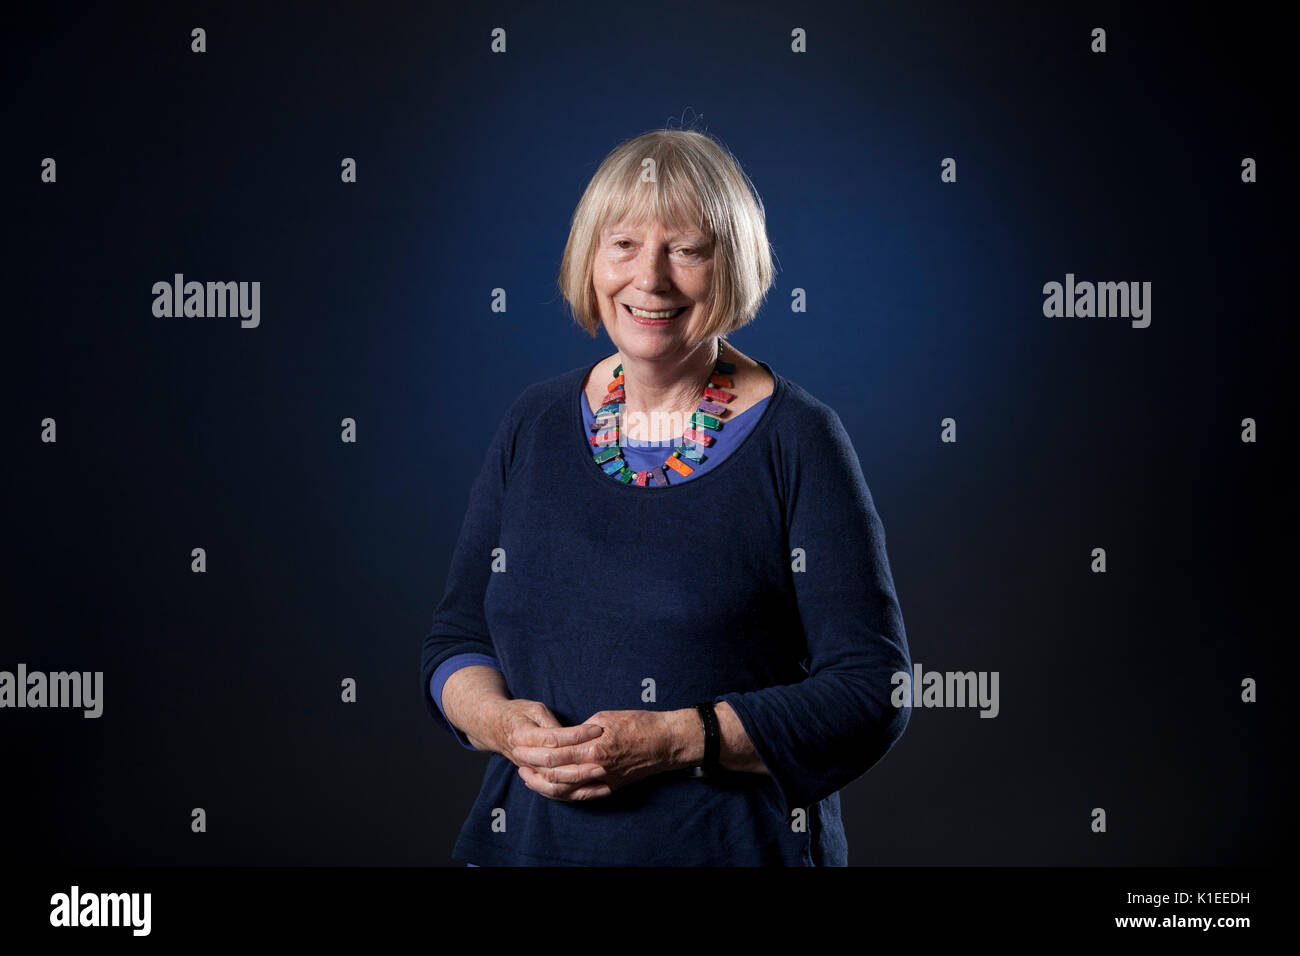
[708, 415]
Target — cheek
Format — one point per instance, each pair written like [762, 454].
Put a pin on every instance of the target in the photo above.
[606, 280]
[698, 283]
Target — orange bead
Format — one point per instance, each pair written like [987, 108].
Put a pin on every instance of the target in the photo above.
[679, 466]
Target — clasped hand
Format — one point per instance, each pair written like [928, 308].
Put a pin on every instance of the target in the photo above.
[608, 750]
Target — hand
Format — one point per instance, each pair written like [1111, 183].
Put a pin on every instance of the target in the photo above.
[631, 745]
[528, 723]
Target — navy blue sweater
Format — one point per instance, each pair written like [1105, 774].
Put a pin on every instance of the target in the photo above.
[763, 582]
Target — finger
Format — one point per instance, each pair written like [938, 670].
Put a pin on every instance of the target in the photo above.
[592, 793]
[543, 717]
[535, 781]
[571, 773]
[562, 791]
[556, 756]
[556, 736]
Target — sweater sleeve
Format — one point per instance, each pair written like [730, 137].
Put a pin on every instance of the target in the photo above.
[820, 734]
[459, 623]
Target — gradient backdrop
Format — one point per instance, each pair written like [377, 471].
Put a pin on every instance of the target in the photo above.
[1119, 690]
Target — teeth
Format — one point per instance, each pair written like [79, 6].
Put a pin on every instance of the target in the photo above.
[642, 314]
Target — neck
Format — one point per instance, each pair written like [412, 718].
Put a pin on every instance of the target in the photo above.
[662, 394]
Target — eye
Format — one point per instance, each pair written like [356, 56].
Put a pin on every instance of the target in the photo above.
[619, 243]
[687, 250]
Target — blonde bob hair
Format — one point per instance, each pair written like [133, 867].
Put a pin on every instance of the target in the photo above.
[696, 183]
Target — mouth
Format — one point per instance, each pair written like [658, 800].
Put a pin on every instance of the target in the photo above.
[647, 316]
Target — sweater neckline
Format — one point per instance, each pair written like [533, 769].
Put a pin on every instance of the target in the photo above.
[587, 464]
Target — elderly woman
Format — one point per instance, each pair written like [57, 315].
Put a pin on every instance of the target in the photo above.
[669, 617]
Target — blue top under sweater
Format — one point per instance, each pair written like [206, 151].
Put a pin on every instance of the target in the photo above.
[761, 580]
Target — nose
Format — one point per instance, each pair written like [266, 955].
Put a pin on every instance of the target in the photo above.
[652, 269]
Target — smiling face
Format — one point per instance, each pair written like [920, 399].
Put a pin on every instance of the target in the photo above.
[653, 285]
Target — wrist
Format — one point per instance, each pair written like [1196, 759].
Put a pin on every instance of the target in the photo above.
[685, 738]
[489, 725]
[475, 715]
[471, 700]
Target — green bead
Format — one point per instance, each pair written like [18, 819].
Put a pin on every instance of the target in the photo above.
[705, 421]
[691, 453]
[606, 454]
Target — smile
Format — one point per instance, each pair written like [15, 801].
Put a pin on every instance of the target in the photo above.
[643, 314]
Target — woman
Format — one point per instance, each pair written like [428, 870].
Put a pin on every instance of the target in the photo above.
[670, 616]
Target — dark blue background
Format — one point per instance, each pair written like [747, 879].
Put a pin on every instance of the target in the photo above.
[325, 560]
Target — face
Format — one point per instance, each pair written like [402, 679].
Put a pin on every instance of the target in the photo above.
[667, 273]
